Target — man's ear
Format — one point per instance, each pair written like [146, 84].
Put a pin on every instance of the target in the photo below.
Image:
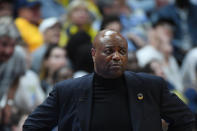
[93, 52]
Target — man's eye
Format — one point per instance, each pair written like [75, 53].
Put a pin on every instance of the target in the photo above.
[108, 52]
[123, 52]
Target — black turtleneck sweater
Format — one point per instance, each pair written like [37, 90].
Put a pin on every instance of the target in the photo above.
[110, 105]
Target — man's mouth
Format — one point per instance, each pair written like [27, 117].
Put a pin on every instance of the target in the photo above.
[116, 66]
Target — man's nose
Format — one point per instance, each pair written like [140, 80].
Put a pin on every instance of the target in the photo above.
[116, 56]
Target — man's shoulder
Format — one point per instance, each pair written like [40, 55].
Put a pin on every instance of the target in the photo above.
[75, 82]
[142, 75]
[144, 78]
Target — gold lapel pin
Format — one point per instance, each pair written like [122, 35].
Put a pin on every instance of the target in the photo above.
[140, 96]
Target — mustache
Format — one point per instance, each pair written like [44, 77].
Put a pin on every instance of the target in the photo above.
[116, 63]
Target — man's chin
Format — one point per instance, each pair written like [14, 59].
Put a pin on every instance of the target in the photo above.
[116, 74]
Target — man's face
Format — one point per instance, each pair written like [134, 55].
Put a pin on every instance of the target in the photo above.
[6, 8]
[80, 16]
[7, 45]
[32, 14]
[110, 55]
[52, 34]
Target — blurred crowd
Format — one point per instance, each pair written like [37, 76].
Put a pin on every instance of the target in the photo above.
[45, 41]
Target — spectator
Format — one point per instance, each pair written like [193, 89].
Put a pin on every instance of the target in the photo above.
[189, 75]
[79, 52]
[111, 22]
[78, 19]
[11, 68]
[6, 7]
[152, 49]
[106, 8]
[54, 59]
[169, 64]
[182, 14]
[29, 93]
[50, 29]
[27, 20]
[161, 41]
[188, 69]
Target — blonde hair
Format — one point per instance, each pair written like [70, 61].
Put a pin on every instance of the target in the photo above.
[75, 4]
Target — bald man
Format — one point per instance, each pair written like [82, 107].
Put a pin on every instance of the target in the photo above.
[111, 99]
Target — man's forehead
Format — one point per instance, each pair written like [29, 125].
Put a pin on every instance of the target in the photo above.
[109, 35]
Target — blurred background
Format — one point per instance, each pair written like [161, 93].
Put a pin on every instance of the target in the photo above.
[43, 42]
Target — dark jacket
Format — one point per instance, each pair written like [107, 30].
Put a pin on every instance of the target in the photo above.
[69, 106]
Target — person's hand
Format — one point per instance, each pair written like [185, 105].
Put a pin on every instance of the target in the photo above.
[164, 125]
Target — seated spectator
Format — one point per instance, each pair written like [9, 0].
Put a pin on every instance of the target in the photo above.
[12, 67]
[160, 48]
[152, 49]
[6, 7]
[170, 65]
[79, 52]
[29, 93]
[185, 34]
[50, 29]
[54, 59]
[78, 19]
[106, 8]
[27, 20]
[189, 75]
[111, 22]
[188, 69]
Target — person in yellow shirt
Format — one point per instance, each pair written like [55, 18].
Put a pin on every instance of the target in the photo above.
[27, 20]
[78, 19]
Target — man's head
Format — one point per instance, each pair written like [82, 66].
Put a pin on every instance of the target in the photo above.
[110, 54]
[111, 22]
[8, 36]
[6, 7]
[78, 13]
[29, 10]
[50, 28]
